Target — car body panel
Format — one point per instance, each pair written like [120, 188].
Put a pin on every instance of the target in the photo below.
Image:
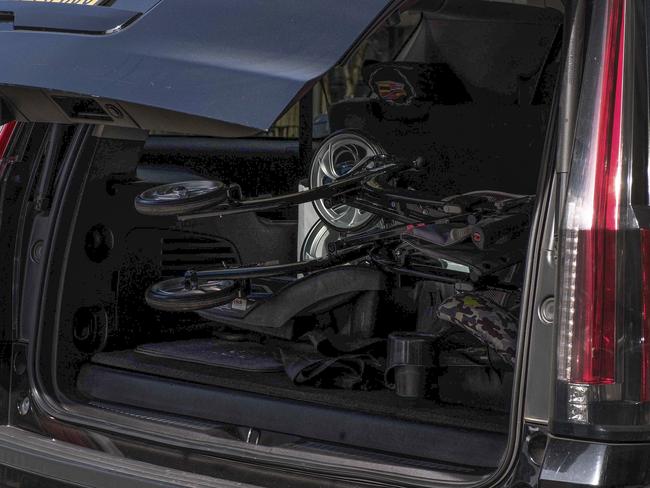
[192, 67]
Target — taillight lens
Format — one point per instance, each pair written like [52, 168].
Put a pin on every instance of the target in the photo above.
[603, 366]
[591, 228]
[6, 131]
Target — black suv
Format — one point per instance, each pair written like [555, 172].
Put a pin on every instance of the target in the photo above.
[303, 243]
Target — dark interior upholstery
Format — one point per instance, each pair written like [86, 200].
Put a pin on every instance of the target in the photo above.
[470, 147]
[489, 64]
[500, 51]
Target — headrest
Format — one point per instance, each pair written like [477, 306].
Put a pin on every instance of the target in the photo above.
[401, 83]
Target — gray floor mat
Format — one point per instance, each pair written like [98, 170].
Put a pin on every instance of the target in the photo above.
[381, 402]
[242, 356]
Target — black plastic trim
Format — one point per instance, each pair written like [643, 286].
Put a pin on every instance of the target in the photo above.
[573, 463]
[64, 462]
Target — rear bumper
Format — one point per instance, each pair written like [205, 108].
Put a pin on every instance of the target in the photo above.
[68, 464]
[574, 463]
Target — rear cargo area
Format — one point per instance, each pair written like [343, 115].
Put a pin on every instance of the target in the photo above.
[394, 337]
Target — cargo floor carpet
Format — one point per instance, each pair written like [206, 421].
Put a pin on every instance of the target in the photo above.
[278, 385]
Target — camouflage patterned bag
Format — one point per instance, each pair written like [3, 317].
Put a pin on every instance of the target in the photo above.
[485, 320]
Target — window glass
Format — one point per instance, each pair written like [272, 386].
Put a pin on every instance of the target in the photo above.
[346, 80]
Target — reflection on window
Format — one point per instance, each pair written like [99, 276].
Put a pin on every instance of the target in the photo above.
[346, 81]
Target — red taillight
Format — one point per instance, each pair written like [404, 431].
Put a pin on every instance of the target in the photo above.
[594, 346]
[591, 228]
[603, 365]
[597, 319]
[6, 131]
